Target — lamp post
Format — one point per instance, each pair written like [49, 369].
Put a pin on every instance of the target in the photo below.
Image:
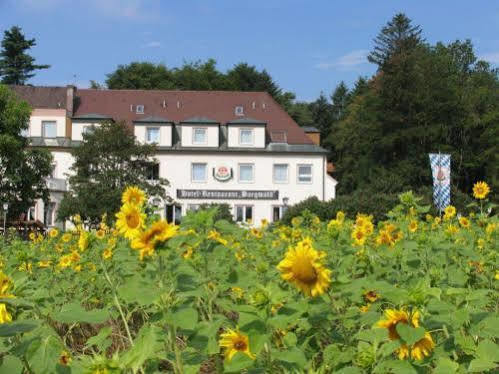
[5, 208]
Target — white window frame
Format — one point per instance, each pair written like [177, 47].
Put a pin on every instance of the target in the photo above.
[239, 110]
[245, 218]
[175, 218]
[53, 171]
[193, 207]
[252, 136]
[49, 217]
[43, 129]
[298, 174]
[205, 172]
[287, 173]
[205, 129]
[282, 210]
[139, 109]
[252, 172]
[147, 133]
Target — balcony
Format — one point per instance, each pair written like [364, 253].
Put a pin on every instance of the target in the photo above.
[57, 184]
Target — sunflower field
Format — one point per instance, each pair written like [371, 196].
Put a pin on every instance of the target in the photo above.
[410, 294]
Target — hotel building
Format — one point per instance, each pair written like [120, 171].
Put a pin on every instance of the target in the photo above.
[237, 148]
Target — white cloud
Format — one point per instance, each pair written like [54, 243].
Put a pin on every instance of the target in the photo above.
[153, 44]
[350, 61]
[492, 57]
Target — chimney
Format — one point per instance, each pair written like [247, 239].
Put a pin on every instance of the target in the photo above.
[70, 92]
[313, 134]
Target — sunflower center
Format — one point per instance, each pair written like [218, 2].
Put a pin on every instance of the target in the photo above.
[132, 220]
[240, 345]
[304, 270]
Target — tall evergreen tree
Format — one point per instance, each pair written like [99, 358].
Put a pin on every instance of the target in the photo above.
[16, 66]
[322, 115]
[398, 35]
[339, 98]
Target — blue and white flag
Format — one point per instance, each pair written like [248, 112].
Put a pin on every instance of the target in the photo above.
[440, 168]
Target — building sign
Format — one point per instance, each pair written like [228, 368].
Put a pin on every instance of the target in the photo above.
[222, 173]
[228, 194]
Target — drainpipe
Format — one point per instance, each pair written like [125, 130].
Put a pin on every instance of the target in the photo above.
[323, 178]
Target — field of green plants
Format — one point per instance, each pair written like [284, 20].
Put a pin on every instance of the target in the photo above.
[411, 294]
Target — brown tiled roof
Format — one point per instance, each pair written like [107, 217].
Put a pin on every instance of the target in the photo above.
[179, 106]
[42, 97]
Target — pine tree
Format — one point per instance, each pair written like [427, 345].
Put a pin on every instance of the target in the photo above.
[398, 35]
[16, 66]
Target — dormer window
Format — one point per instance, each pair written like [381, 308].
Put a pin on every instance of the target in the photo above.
[152, 135]
[139, 109]
[245, 136]
[199, 136]
[239, 111]
[49, 129]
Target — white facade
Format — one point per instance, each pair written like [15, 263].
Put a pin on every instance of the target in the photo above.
[230, 163]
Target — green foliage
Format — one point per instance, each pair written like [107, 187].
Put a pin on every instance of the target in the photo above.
[223, 211]
[22, 170]
[165, 314]
[425, 99]
[108, 160]
[16, 66]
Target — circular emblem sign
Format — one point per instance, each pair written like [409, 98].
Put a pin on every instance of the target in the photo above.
[222, 173]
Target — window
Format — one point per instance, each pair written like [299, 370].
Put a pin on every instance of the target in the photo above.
[173, 214]
[53, 170]
[198, 173]
[278, 211]
[239, 111]
[245, 136]
[193, 207]
[139, 109]
[153, 172]
[87, 129]
[304, 173]
[48, 213]
[280, 173]
[246, 173]
[152, 135]
[25, 132]
[199, 135]
[49, 129]
[244, 213]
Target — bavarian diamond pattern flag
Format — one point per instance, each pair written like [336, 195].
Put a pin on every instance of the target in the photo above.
[440, 168]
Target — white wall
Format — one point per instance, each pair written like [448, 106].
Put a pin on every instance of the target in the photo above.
[176, 168]
[78, 129]
[212, 131]
[63, 161]
[258, 136]
[40, 115]
[165, 134]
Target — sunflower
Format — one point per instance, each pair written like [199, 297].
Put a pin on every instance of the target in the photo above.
[44, 263]
[107, 253]
[146, 241]
[130, 220]
[359, 236]
[4, 314]
[371, 296]
[340, 216]
[233, 342]
[65, 261]
[5, 284]
[133, 196]
[53, 233]
[385, 237]
[303, 267]
[364, 308]
[419, 349]
[464, 222]
[32, 236]
[64, 358]
[66, 237]
[450, 211]
[100, 234]
[83, 241]
[480, 190]
[413, 226]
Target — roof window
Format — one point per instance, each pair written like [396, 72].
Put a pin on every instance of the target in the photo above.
[139, 109]
[239, 111]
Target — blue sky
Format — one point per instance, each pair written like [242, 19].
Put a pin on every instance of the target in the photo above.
[307, 46]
